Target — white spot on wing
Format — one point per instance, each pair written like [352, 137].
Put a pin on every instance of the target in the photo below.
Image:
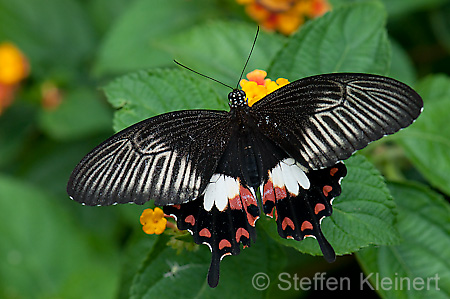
[300, 176]
[277, 177]
[291, 174]
[219, 189]
[289, 178]
[209, 199]
[232, 187]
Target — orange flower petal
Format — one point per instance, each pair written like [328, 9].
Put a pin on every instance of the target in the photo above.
[257, 76]
[259, 86]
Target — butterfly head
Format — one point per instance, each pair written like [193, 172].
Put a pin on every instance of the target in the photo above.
[237, 98]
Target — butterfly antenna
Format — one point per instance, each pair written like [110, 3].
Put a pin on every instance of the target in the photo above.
[248, 58]
[182, 65]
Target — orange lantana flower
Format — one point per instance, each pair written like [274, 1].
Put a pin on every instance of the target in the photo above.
[258, 86]
[153, 221]
[14, 67]
[285, 16]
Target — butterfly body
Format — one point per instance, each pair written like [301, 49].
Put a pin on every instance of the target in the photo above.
[206, 167]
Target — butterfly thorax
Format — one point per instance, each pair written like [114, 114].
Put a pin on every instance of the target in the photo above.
[243, 155]
[237, 98]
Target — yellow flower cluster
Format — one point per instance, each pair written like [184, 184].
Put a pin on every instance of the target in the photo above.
[153, 221]
[285, 16]
[13, 65]
[257, 86]
[13, 68]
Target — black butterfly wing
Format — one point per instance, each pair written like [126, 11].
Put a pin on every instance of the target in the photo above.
[169, 158]
[300, 215]
[323, 119]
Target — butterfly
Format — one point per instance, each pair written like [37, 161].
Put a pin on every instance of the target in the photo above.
[208, 168]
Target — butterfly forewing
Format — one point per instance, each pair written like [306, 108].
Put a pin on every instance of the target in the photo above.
[323, 119]
[169, 158]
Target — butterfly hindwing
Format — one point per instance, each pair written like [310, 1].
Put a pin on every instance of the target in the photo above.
[299, 212]
[323, 119]
[223, 230]
[168, 158]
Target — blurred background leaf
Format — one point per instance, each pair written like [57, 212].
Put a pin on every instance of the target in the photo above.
[427, 141]
[45, 254]
[135, 40]
[55, 35]
[78, 116]
[351, 38]
[199, 47]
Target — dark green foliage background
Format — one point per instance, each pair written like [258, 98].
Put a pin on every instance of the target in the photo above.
[112, 60]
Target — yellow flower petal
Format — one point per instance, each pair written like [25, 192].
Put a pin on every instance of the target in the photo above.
[153, 221]
[257, 12]
[289, 23]
[282, 81]
[256, 91]
[13, 65]
[271, 86]
[158, 213]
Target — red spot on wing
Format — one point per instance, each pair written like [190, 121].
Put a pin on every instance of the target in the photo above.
[247, 196]
[224, 243]
[326, 190]
[269, 197]
[190, 219]
[241, 232]
[176, 206]
[306, 225]
[268, 192]
[280, 192]
[287, 222]
[235, 203]
[333, 171]
[318, 208]
[248, 199]
[205, 233]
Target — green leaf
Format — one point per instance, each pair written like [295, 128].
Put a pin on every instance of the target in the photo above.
[220, 49]
[363, 214]
[44, 254]
[135, 254]
[402, 68]
[427, 141]
[145, 94]
[440, 23]
[105, 12]
[54, 34]
[351, 38]
[401, 7]
[16, 125]
[164, 268]
[80, 114]
[424, 225]
[134, 41]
